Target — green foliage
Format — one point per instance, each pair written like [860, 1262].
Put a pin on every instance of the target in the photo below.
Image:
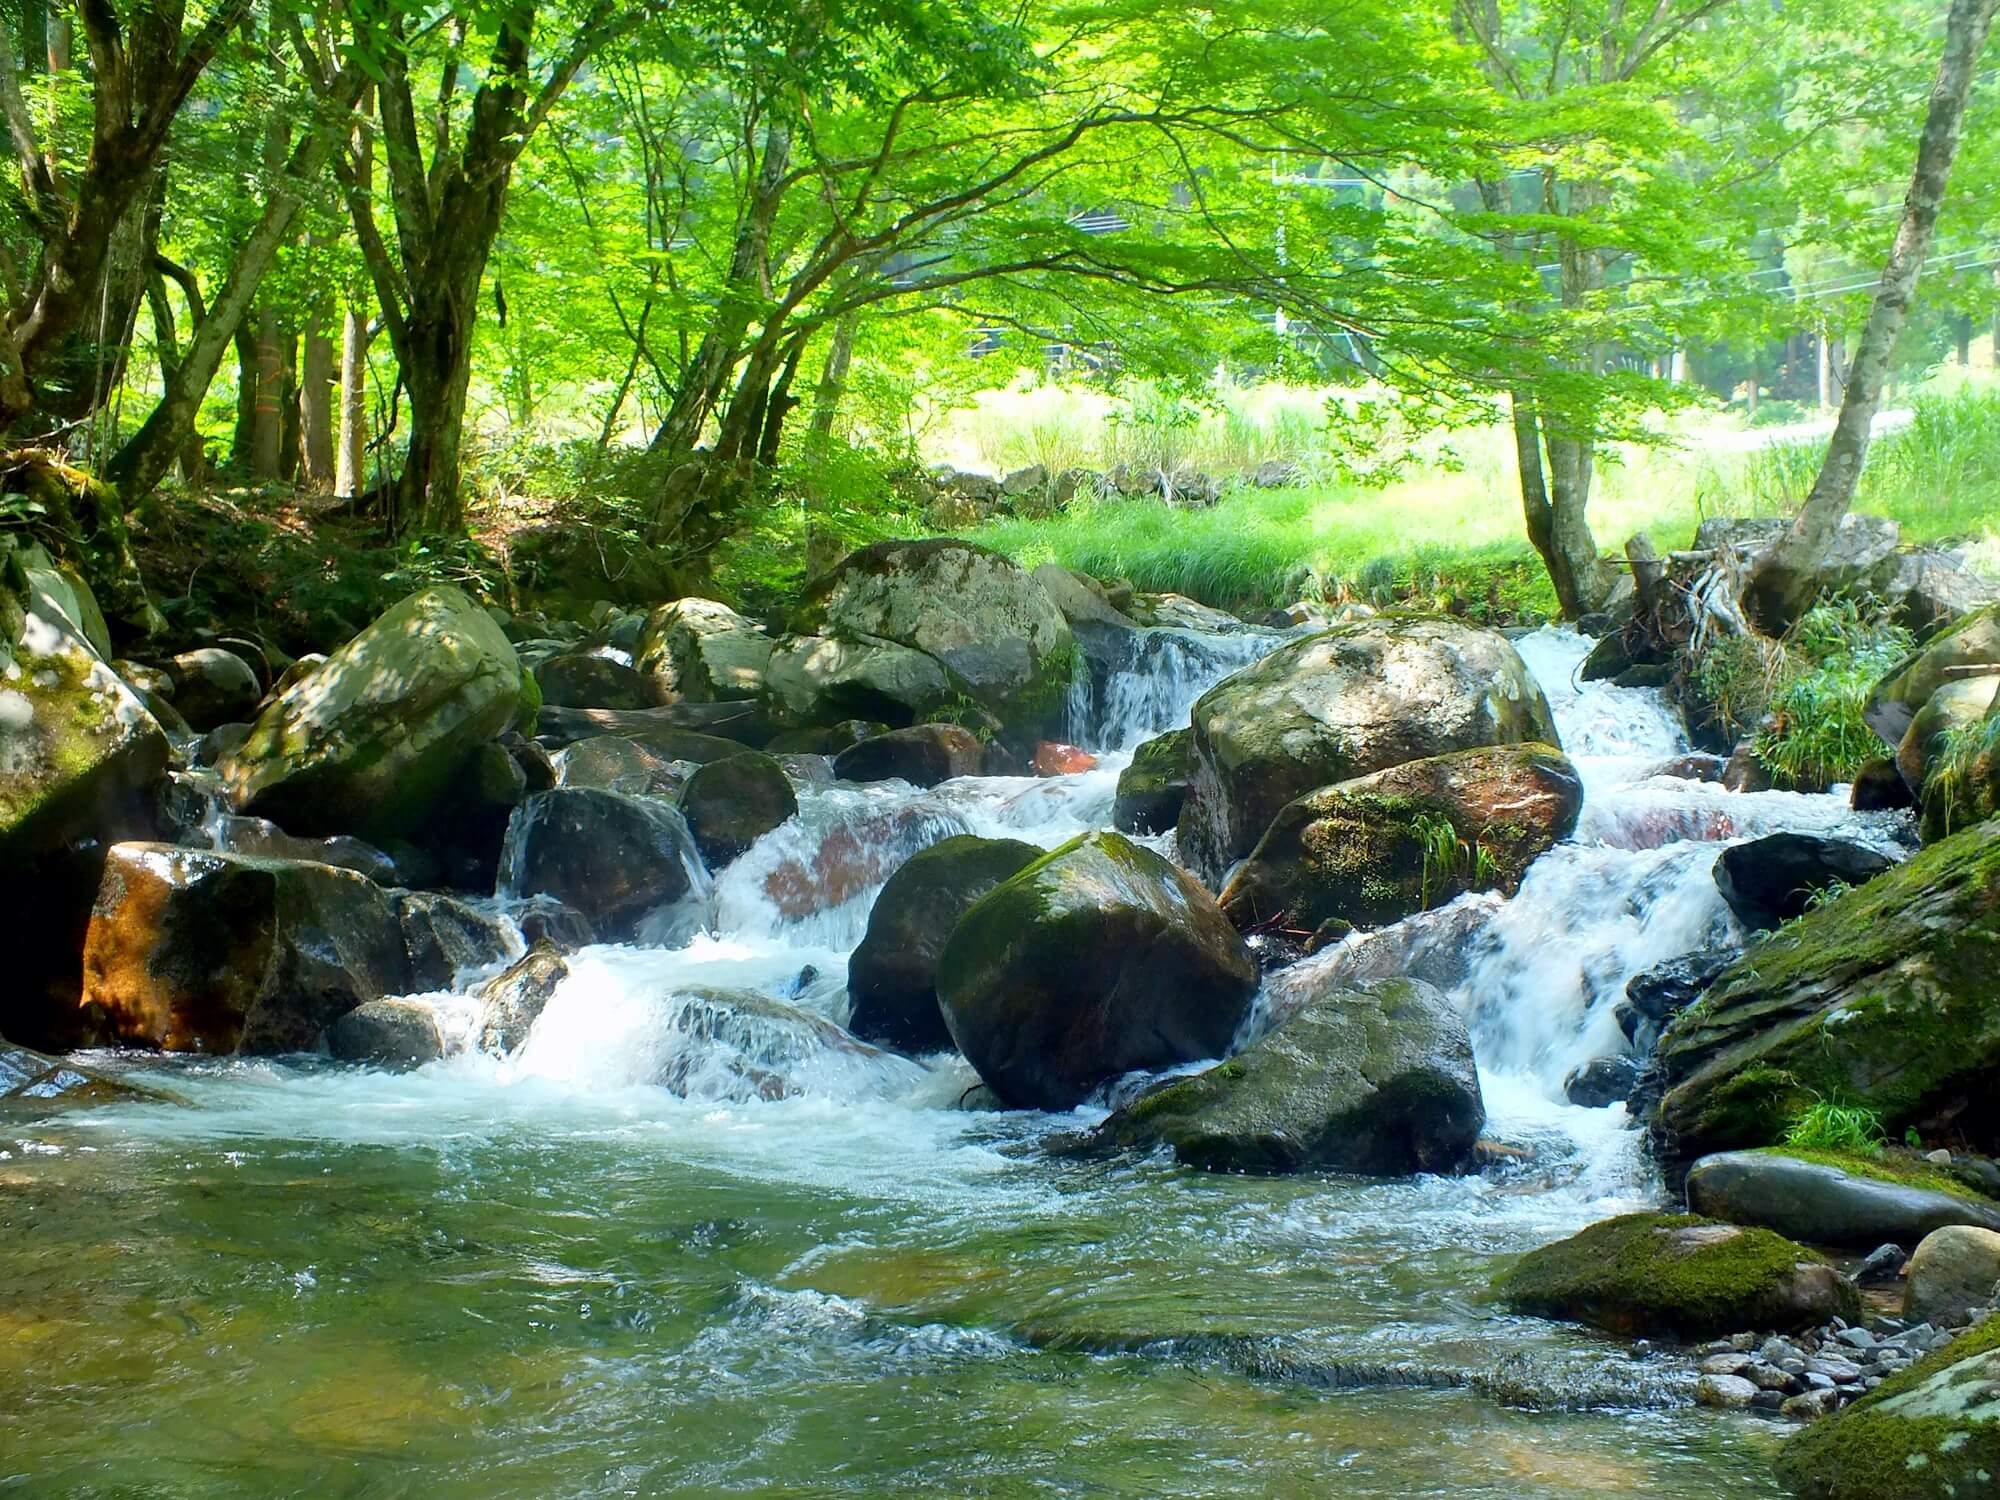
[1816, 735]
[1827, 1125]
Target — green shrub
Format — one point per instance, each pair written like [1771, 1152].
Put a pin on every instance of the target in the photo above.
[1816, 735]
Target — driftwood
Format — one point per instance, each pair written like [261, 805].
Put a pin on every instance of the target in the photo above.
[565, 726]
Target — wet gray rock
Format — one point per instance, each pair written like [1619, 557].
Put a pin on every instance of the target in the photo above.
[445, 935]
[1602, 1081]
[626, 863]
[1772, 880]
[213, 686]
[1953, 1271]
[1823, 1205]
[729, 804]
[512, 1002]
[387, 1034]
[922, 755]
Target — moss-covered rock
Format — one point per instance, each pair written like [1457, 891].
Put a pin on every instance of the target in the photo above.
[699, 651]
[1883, 997]
[1827, 1203]
[1356, 699]
[1931, 1432]
[814, 680]
[1678, 1275]
[1099, 959]
[731, 803]
[987, 623]
[582, 679]
[370, 741]
[1153, 787]
[1972, 641]
[892, 976]
[1374, 1077]
[1963, 785]
[194, 951]
[1376, 849]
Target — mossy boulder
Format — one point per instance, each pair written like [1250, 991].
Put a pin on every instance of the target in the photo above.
[193, 951]
[1949, 711]
[892, 976]
[1883, 997]
[731, 803]
[1376, 849]
[983, 620]
[370, 741]
[700, 651]
[628, 864]
[1970, 642]
[1678, 1275]
[1099, 959]
[1153, 787]
[1931, 1432]
[1374, 1078]
[1353, 700]
[1966, 786]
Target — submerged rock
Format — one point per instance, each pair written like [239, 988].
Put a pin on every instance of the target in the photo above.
[1770, 881]
[1153, 787]
[980, 617]
[1883, 998]
[32, 1081]
[892, 976]
[194, 951]
[1954, 1271]
[628, 864]
[729, 804]
[1376, 849]
[1824, 1204]
[1676, 1274]
[1377, 1078]
[1099, 959]
[374, 737]
[387, 1034]
[1356, 699]
[738, 1045]
[922, 755]
[1931, 1432]
[445, 935]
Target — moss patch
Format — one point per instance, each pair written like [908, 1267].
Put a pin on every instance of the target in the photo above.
[1890, 1166]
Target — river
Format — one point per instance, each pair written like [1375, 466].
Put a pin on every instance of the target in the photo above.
[550, 1276]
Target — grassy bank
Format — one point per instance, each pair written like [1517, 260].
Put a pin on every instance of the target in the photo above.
[1453, 529]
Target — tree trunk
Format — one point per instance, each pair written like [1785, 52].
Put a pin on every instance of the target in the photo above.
[436, 361]
[267, 421]
[1825, 372]
[353, 454]
[1784, 580]
[1582, 578]
[316, 403]
[833, 381]
[242, 438]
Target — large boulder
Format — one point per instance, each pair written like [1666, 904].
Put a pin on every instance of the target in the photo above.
[1152, 788]
[387, 1034]
[1954, 1272]
[82, 761]
[1358, 698]
[1770, 881]
[587, 680]
[194, 951]
[1678, 1275]
[729, 804]
[985, 621]
[1883, 998]
[1947, 714]
[1971, 642]
[923, 755]
[371, 740]
[814, 680]
[1099, 959]
[1376, 849]
[892, 976]
[699, 651]
[615, 763]
[213, 686]
[1376, 1078]
[1823, 1204]
[1931, 1432]
[628, 864]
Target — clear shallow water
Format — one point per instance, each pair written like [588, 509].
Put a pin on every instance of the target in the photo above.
[550, 1276]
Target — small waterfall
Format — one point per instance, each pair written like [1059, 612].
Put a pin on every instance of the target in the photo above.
[1138, 683]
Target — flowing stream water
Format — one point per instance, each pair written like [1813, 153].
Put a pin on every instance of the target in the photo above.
[554, 1276]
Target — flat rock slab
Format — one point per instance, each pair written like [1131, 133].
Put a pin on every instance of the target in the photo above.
[1823, 1205]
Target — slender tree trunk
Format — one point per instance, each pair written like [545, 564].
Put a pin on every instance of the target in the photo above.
[267, 420]
[353, 448]
[316, 403]
[1784, 580]
[242, 438]
[833, 381]
[1825, 372]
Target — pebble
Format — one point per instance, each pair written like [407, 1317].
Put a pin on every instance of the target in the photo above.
[1767, 1377]
[1818, 1381]
[1775, 1351]
[1841, 1371]
[1725, 1364]
[1811, 1404]
[1856, 1338]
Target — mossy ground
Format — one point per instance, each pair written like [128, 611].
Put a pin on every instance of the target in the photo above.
[1890, 1166]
